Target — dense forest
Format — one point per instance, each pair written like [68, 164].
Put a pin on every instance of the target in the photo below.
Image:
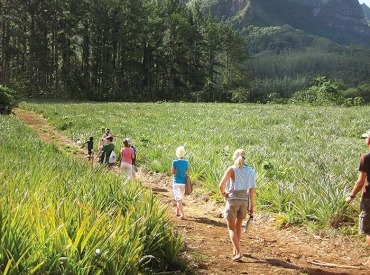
[156, 50]
[131, 50]
[285, 61]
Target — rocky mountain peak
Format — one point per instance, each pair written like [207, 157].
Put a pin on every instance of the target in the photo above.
[343, 21]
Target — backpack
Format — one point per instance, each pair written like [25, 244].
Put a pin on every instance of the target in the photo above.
[112, 158]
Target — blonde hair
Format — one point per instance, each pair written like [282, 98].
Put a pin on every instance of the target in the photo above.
[180, 152]
[239, 158]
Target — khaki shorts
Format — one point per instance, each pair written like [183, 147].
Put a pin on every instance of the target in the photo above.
[236, 209]
[364, 217]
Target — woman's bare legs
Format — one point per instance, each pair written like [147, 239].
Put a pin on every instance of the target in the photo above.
[180, 209]
[235, 228]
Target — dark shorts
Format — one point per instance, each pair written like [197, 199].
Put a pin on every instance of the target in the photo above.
[364, 217]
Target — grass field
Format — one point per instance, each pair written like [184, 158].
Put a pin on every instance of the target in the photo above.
[305, 157]
[60, 215]
[56, 210]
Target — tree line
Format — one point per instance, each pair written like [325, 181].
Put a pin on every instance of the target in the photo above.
[110, 50]
[285, 61]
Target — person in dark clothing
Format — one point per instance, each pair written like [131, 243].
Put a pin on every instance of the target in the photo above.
[362, 184]
[134, 159]
[107, 150]
[90, 147]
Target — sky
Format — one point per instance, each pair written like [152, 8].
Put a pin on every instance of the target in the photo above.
[367, 2]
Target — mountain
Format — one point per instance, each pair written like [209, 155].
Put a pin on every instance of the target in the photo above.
[366, 11]
[342, 21]
[290, 42]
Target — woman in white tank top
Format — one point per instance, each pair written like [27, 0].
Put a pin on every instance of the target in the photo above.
[237, 186]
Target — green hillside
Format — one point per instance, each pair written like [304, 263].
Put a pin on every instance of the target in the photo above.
[289, 47]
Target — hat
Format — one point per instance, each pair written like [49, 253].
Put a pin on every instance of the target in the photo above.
[366, 135]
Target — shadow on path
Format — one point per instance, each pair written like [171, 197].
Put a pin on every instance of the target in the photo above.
[209, 221]
[287, 265]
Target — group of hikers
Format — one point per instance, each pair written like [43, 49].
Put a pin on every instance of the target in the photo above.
[237, 186]
[106, 153]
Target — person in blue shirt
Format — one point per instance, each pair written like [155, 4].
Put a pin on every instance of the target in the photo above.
[179, 169]
[237, 186]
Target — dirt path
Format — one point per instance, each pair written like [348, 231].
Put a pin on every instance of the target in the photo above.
[266, 249]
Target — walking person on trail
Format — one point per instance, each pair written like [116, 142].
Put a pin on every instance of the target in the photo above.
[90, 147]
[107, 133]
[127, 155]
[100, 150]
[179, 170]
[237, 186]
[134, 169]
[362, 184]
[107, 150]
[104, 141]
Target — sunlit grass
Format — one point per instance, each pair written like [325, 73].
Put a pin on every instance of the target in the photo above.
[306, 157]
[57, 212]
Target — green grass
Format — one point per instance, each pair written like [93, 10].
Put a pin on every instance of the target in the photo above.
[56, 211]
[305, 157]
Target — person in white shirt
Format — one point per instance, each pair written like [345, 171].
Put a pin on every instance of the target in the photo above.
[237, 186]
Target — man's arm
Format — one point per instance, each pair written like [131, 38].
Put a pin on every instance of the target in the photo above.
[358, 186]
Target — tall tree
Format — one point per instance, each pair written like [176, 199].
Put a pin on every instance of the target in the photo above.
[111, 50]
[212, 48]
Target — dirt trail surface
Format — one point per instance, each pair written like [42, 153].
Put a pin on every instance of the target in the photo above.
[266, 249]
